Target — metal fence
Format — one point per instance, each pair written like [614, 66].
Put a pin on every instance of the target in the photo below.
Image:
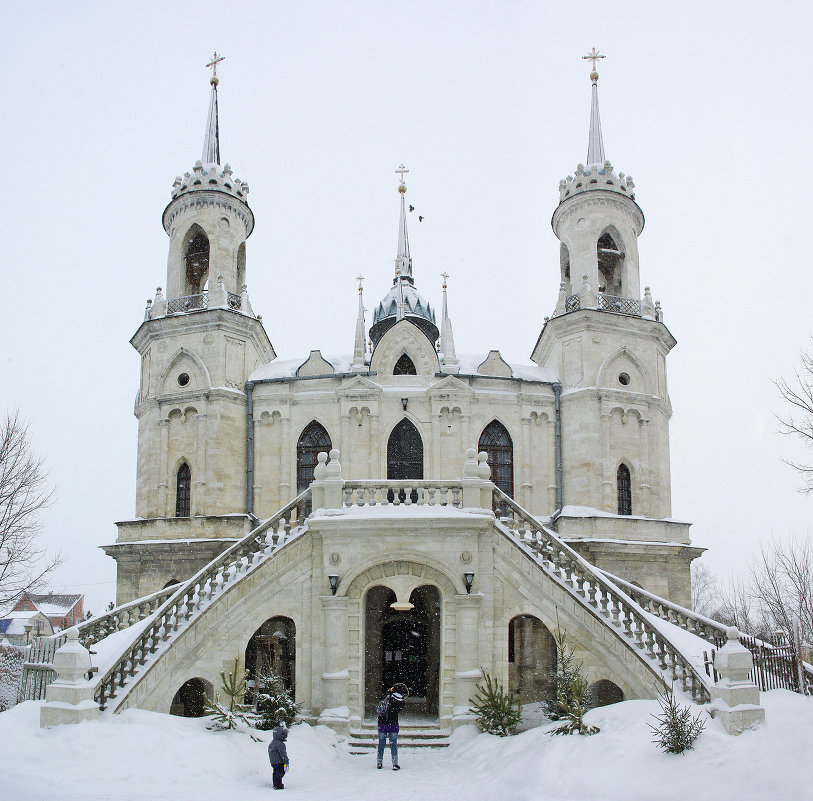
[38, 671]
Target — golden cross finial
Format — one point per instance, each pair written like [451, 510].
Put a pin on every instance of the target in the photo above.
[216, 59]
[402, 170]
[593, 56]
[359, 278]
[444, 276]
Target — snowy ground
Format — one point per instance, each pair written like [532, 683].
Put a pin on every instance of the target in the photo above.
[138, 756]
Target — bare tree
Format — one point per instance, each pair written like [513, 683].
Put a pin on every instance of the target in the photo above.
[24, 493]
[705, 592]
[798, 394]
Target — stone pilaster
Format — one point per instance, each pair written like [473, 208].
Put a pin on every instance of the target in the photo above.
[336, 678]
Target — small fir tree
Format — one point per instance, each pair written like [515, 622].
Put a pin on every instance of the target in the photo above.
[567, 669]
[275, 704]
[573, 706]
[496, 712]
[231, 714]
[677, 729]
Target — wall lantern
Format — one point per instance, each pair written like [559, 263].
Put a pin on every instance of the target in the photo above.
[404, 403]
[468, 578]
[334, 583]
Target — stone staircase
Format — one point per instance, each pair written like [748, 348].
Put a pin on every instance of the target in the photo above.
[413, 734]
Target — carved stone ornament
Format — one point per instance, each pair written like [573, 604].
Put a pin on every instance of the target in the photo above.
[466, 557]
[335, 559]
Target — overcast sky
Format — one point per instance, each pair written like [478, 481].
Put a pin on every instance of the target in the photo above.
[706, 105]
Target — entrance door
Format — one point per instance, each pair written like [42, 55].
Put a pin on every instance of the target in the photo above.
[406, 645]
[405, 452]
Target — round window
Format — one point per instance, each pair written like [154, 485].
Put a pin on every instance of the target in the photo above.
[183, 379]
[624, 379]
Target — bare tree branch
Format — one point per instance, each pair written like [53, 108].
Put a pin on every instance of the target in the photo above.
[798, 422]
[24, 493]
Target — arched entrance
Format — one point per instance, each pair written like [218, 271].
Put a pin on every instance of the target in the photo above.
[272, 650]
[531, 659]
[190, 700]
[403, 646]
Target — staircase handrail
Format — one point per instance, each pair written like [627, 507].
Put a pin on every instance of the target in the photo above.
[442, 492]
[189, 596]
[606, 599]
[684, 618]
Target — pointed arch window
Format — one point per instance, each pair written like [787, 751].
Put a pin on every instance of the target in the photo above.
[404, 456]
[496, 442]
[183, 491]
[404, 366]
[624, 490]
[610, 264]
[196, 260]
[313, 440]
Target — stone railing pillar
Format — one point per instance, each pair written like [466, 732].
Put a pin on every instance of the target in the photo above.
[735, 698]
[327, 488]
[476, 485]
[69, 699]
[218, 297]
[336, 678]
[468, 671]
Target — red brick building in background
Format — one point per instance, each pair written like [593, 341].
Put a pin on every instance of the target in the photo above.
[62, 610]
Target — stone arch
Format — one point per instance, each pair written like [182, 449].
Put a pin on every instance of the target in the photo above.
[195, 260]
[171, 583]
[416, 568]
[272, 650]
[404, 366]
[404, 338]
[405, 453]
[623, 480]
[183, 490]
[610, 253]
[184, 361]
[604, 692]
[624, 361]
[531, 659]
[241, 268]
[564, 266]
[313, 440]
[189, 701]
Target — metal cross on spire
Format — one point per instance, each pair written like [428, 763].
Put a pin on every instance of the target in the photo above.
[402, 170]
[216, 59]
[593, 56]
[360, 279]
[445, 277]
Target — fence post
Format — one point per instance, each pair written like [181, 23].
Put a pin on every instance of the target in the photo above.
[69, 698]
[735, 698]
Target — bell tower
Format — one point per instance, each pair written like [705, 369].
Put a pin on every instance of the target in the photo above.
[198, 345]
[608, 344]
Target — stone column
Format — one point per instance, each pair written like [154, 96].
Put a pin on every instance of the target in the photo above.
[469, 670]
[552, 487]
[163, 480]
[285, 493]
[69, 699]
[606, 465]
[336, 678]
[645, 477]
[200, 503]
[525, 465]
[735, 698]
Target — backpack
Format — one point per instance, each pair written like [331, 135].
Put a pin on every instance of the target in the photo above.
[383, 706]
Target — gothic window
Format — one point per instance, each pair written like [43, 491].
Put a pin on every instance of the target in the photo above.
[404, 366]
[183, 492]
[196, 260]
[405, 452]
[496, 442]
[624, 490]
[610, 263]
[564, 264]
[313, 441]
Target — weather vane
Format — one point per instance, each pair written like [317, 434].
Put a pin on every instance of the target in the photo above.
[216, 59]
[593, 56]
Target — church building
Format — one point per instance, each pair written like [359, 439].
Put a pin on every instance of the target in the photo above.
[397, 480]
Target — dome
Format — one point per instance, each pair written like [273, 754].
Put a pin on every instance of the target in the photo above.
[416, 309]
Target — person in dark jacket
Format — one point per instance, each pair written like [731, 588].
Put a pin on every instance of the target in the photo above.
[388, 709]
[278, 755]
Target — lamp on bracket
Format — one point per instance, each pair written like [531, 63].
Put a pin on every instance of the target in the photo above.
[404, 403]
[333, 580]
[468, 579]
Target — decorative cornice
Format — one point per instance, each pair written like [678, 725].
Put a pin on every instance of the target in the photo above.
[208, 198]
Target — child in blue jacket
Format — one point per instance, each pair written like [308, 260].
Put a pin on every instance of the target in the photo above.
[278, 755]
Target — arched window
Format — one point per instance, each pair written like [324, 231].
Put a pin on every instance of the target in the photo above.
[610, 263]
[404, 366]
[313, 441]
[624, 490]
[196, 260]
[405, 452]
[496, 442]
[564, 264]
[183, 491]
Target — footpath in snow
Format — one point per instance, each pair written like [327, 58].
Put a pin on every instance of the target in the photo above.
[145, 756]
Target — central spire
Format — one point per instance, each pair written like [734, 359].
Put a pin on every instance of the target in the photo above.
[211, 141]
[403, 261]
[595, 145]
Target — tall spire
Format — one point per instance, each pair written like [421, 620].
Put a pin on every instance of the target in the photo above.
[359, 349]
[448, 357]
[595, 146]
[403, 261]
[211, 141]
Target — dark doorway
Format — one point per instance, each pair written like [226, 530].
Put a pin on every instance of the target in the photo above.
[403, 647]
[313, 440]
[190, 700]
[496, 442]
[272, 650]
[404, 456]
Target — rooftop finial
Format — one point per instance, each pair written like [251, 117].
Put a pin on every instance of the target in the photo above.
[216, 59]
[359, 349]
[448, 356]
[403, 260]
[595, 146]
[211, 141]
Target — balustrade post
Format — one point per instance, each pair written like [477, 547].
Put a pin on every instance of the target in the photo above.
[336, 678]
[735, 698]
[468, 671]
[69, 698]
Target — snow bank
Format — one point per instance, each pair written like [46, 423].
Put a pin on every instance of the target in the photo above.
[138, 755]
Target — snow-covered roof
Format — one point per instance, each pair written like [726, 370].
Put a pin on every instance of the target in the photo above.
[469, 362]
[54, 604]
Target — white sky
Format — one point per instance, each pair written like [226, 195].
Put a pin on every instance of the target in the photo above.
[706, 105]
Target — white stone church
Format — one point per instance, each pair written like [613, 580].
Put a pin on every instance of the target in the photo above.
[404, 512]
